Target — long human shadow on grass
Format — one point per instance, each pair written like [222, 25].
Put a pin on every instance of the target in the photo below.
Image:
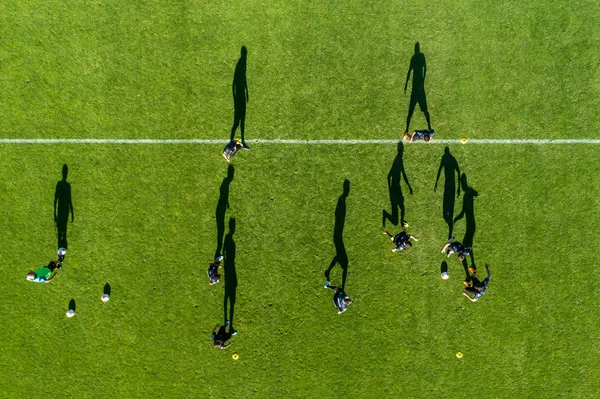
[63, 205]
[468, 212]
[396, 197]
[449, 164]
[222, 207]
[239, 88]
[418, 67]
[230, 279]
[341, 257]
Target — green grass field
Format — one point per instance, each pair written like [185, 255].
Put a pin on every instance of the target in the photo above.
[145, 214]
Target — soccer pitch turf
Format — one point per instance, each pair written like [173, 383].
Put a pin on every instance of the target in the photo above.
[145, 213]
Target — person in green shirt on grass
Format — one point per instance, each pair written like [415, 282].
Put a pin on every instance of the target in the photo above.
[47, 273]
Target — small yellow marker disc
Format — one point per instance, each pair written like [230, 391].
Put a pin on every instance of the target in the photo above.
[235, 356]
[459, 355]
[464, 140]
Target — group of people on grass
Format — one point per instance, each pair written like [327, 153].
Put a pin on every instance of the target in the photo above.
[220, 335]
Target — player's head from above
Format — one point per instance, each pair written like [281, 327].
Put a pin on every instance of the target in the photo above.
[346, 187]
[408, 244]
[417, 48]
[461, 257]
[30, 276]
[347, 301]
[244, 52]
[426, 137]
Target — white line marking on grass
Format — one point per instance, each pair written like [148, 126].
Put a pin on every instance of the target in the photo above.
[284, 141]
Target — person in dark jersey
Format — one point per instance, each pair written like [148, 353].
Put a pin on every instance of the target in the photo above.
[401, 240]
[213, 271]
[220, 335]
[475, 287]
[417, 135]
[455, 247]
[340, 299]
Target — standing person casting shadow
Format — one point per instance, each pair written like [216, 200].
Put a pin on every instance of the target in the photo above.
[62, 207]
[240, 96]
[419, 68]
[468, 212]
[396, 197]
[450, 165]
[222, 207]
[341, 257]
[230, 281]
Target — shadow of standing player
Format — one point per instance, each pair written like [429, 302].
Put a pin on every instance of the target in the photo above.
[62, 206]
[450, 165]
[222, 207]
[396, 197]
[341, 257]
[239, 88]
[468, 212]
[230, 276]
[419, 68]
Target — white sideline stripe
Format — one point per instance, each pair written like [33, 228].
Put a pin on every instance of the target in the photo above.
[283, 141]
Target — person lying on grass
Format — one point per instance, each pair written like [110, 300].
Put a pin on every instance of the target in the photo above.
[455, 247]
[46, 273]
[340, 299]
[231, 149]
[476, 287]
[221, 336]
[213, 271]
[417, 135]
[401, 240]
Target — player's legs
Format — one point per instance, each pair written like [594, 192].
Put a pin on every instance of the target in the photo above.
[411, 109]
[236, 123]
[423, 106]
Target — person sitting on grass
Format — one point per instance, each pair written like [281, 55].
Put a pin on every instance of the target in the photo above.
[231, 149]
[340, 299]
[46, 273]
[476, 287]
[455, 247]
[213, 271]
[401, 240]
[416, 135]
[221, 336]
